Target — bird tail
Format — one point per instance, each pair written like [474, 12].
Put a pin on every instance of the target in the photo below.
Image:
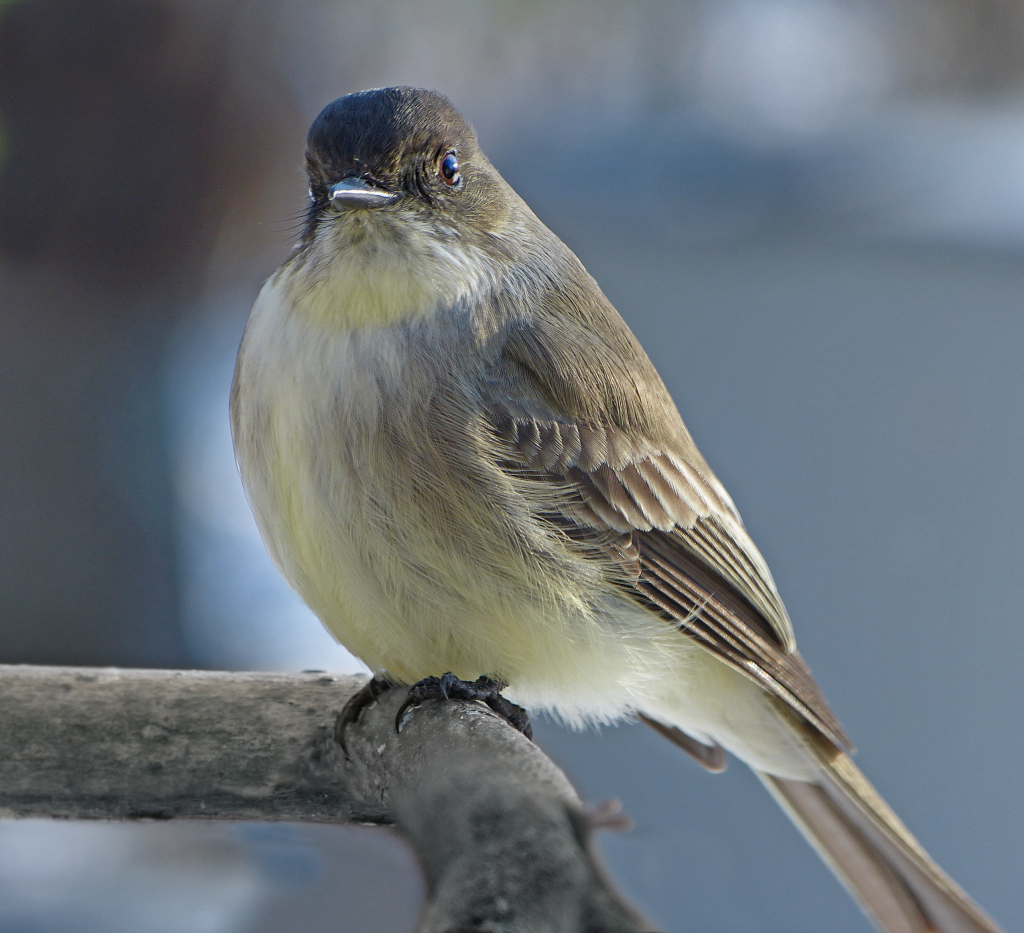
[870, 850]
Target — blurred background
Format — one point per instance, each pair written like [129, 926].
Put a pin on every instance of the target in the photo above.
[811, 212]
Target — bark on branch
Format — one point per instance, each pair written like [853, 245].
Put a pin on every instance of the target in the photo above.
[498, 829]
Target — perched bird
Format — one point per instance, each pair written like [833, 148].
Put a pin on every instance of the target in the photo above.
[461, 458]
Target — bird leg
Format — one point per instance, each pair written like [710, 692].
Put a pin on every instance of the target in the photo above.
[449, 687]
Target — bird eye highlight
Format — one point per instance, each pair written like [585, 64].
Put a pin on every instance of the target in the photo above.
[448, 169]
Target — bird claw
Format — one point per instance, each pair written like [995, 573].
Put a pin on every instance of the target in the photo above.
[354, 708]
[449, 687]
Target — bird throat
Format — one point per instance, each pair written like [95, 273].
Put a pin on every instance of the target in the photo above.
[375, 273]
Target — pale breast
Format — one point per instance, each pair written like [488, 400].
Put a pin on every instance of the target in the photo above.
[376, 497]
[306, 405]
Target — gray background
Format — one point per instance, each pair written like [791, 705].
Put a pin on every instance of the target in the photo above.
[812, 215]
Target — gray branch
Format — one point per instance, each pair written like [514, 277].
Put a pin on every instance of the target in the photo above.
[499, 831]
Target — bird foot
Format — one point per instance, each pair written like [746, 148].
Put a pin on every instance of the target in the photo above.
[354, 708]
[449, 687]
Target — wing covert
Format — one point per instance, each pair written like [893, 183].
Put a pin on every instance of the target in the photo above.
[679, 531]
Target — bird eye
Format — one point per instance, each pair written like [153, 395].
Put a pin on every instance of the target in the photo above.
[449, 169]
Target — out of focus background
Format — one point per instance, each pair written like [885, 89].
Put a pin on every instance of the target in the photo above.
[811, 212]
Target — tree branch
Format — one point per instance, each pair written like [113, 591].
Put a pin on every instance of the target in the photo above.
[498, 829]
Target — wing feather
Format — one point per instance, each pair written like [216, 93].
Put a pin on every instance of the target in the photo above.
[679, 530]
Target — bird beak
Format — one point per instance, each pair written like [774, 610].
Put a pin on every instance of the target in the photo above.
[355, 194]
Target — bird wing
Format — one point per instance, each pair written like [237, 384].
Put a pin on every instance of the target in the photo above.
[675, 532]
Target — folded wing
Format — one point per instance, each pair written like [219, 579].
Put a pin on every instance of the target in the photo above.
[679, 537]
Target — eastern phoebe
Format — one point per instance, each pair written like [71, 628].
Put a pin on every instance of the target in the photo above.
[463, 461]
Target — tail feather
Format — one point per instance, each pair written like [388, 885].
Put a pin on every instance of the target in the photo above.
[870, 850]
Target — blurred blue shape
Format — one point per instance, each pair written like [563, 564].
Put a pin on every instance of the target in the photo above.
[108, 878]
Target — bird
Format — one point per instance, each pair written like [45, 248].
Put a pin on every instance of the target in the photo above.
[461, 458]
